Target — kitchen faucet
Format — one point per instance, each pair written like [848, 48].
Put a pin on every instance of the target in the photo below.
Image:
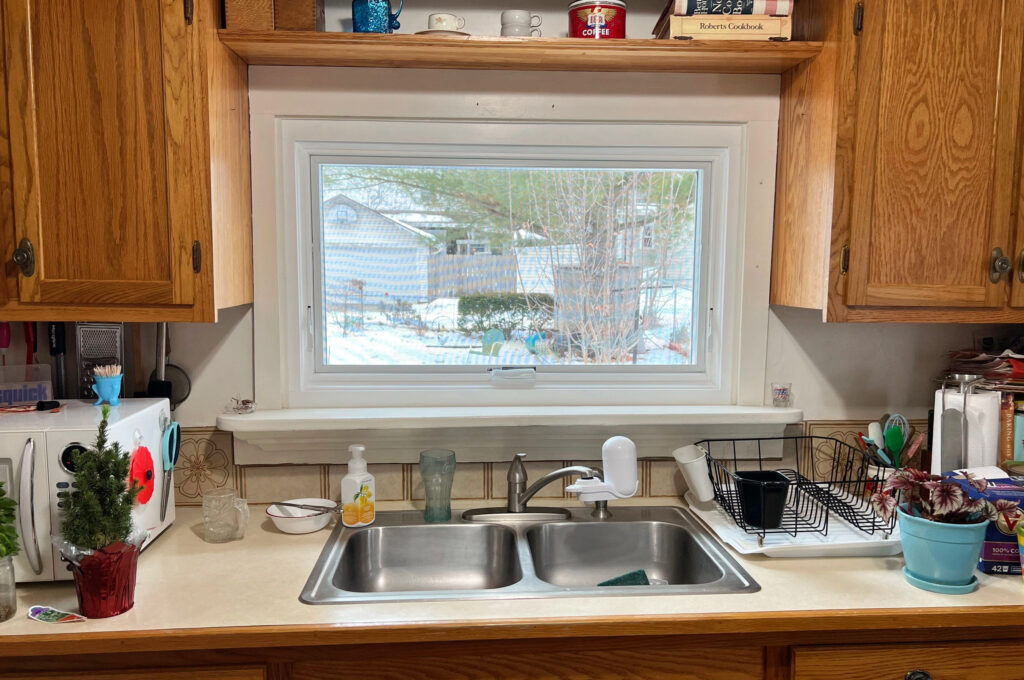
[617, 479]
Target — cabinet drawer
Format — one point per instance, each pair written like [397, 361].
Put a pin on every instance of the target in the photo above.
[941, 661]
[207, 673]
[636, 659]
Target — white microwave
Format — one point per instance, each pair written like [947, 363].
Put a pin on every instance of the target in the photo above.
[36, 462]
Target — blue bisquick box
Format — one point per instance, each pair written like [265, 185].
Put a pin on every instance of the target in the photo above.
[1000, 553]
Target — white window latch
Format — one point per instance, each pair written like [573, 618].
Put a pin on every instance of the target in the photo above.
[513, 377]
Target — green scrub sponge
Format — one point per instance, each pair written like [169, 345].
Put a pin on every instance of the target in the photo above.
[633, 578]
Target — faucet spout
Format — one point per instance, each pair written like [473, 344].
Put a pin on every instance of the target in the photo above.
[580, 471]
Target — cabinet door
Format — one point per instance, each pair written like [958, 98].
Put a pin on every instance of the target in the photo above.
[91, 158]
[937, 661]
[938, 88]
[205, 673]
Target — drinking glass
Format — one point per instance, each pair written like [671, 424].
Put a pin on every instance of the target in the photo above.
[782, 395]
[437, 467]
[225, 516]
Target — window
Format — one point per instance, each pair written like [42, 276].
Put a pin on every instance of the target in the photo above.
[555, 265]
[402, 260]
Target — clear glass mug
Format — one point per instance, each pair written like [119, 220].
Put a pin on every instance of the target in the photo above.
[437, 467]
[8, 596]
[225, 516]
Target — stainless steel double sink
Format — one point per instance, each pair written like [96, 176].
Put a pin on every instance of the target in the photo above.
[401, 558]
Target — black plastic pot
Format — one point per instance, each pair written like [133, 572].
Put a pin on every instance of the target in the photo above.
[762, 497]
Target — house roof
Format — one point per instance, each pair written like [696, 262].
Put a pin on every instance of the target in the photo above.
[378, 216]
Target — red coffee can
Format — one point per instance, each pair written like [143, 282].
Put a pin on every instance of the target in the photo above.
[601, 20]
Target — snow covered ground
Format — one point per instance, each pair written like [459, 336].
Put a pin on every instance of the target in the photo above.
[435, 340]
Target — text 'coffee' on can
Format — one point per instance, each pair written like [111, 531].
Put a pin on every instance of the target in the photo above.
[593, 19]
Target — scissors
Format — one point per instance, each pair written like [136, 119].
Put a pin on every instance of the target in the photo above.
[171, 448]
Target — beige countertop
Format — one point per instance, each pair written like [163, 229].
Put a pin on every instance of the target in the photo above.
[186, 583]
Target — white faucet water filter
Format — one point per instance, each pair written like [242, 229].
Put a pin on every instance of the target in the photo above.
[618, 457]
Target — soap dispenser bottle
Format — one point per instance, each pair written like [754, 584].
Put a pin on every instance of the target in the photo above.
[357, 491]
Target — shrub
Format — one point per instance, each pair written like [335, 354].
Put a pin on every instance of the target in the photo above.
[508, 312]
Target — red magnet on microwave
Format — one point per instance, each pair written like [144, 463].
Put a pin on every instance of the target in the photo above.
[142, 473]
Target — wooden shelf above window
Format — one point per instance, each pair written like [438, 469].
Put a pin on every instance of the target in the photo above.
[302, 48]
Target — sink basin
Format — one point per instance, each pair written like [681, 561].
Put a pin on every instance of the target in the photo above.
[429, 557]
[581, 555]
[401, 558]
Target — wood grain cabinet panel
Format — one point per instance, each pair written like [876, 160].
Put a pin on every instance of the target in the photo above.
[569, 660]
[899, 156]
[936, 139]
[207, 673]
[128, 160]
[953, 661]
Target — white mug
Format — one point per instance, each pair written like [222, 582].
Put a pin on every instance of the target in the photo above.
[519, 30]
[445, 22]
[520, 17]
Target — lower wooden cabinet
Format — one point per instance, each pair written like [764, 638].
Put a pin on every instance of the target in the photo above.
[933, 661]
[211, 673]
[636, 659]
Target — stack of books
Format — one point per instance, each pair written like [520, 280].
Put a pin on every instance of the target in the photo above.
[726, 20]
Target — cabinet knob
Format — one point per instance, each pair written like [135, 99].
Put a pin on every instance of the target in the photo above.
[1000, 265]
[918, 675]
[25, 257]
[1020, 266]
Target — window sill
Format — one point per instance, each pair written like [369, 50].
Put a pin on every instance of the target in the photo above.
[317, 435]
[335, 419]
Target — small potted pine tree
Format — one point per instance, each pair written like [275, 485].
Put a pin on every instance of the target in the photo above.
[8, 549]
[97, 534]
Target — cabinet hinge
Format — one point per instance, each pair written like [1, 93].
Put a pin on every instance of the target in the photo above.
[25, 257]
[844, 259]
[197, 256]
[858, 18]
[190, 10]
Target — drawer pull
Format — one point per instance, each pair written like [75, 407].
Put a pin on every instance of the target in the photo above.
[918, 675]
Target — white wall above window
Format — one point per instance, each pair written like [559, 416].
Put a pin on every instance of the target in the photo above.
[726, 125]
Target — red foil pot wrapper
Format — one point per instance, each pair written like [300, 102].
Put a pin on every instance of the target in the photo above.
[597, 20]
[105, 581]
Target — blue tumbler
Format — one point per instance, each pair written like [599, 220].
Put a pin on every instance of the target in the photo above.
[374, 16]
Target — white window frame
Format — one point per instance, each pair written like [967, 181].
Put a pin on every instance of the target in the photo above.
[286, 130]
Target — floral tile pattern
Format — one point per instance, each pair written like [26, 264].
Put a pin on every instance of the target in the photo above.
[206, 462]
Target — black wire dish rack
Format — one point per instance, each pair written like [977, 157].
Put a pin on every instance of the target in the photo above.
[794, 485]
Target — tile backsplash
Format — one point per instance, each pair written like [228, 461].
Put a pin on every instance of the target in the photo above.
[207, 463]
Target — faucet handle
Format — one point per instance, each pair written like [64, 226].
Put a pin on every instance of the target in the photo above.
[517, 471]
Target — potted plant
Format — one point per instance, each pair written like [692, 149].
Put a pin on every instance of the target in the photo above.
[97, 534]
[8, 549]
[942, 524]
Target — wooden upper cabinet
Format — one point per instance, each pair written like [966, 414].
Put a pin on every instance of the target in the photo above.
[899, 155]
[936, 138]
[111, 107]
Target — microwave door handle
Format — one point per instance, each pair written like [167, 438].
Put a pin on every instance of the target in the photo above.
[27, 515]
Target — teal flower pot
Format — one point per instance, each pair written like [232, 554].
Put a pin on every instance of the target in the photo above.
[941, 557]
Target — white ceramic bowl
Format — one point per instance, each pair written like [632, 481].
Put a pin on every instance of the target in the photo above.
[299, 521]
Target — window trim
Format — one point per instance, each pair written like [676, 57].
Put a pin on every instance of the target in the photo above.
[280, 96]
[723, 144]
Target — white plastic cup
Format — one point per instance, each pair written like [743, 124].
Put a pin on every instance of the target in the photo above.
[692, 463]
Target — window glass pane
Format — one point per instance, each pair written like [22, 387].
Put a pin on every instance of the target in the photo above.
[424, 266]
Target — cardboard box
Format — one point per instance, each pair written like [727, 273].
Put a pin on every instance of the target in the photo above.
[1000, 554]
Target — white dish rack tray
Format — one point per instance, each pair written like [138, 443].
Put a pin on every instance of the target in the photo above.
[826, 510]
[842, 540]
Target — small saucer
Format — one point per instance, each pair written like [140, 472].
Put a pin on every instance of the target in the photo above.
[438, 31]
[968, 587]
